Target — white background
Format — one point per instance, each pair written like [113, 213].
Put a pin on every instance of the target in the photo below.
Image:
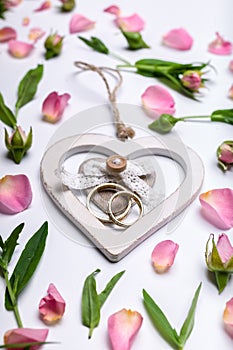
[66, 263]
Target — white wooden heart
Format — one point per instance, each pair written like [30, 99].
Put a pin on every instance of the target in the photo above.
[115, 244]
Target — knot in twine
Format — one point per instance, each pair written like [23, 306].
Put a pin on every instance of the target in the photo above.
[123, 132]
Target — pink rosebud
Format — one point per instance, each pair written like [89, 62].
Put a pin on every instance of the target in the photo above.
[178, 39]
[192, 80]
[228, 317]
[44, 6]
[15, 194]
[219, 257]
[54, 106]
[7, 33]
[230, 92]
[217, 207]
[163, 255]
[157, 100]
[219, 46]
[19, 49]
[225, 155]
[231, 66]
[133, 23]
[80, 23]
[114, 10]
[25, 335]
[35, 34]
[123, 327]
[52, 307]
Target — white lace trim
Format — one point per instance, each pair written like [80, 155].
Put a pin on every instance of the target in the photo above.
[95, 173]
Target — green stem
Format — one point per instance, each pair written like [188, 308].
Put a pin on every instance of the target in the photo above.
[128, 65]
[193, 117]
[13, 300]
[119, 58]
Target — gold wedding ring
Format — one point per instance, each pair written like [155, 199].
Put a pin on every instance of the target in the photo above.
[132, 196]
[104, 187]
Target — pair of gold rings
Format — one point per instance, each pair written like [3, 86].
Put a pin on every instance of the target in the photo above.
[120, 191]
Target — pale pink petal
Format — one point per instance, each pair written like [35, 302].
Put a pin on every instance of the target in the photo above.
[36, 33]
[26, 21]
[231, 66]
[114, 10]
[44, 6]
[217, 207]
[52, 306]
[157, 100]
[230, 92]
[228, 317]
[123, 327]
[178, 39]
[15, 194]
[54, 105]
[7, 33]
[219, 46]
[163, 255]
[25, 335]
[80, 23]
[133, 23]
[19, 49]
[225, 248]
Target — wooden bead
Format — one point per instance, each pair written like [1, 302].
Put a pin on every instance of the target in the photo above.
[116, 163]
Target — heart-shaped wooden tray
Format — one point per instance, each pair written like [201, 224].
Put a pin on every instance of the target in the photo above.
[115, 244]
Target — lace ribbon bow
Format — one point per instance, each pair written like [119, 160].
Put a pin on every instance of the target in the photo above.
[96, 173]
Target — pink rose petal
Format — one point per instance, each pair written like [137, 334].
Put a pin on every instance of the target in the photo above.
[7, 34]
[219, 46]
[178, 39]
[123, 327]
[44, 6]
[15, 194]
[80, 23]
[26, 21]
[228, 317]
[157, 100]
[12, 3]
[217, 207]
[25, 335]
[163, 255]
[35, 34]
[230, 92]
[19, 49]
[54, 106]
[224, 247]
[231, 66]
[113, 9]
[133, 23]
[52, 306]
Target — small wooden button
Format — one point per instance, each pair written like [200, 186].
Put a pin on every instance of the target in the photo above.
[116, 163]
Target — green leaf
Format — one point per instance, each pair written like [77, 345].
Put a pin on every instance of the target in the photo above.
[222, 279]
[90, 303]
[135, 40]
[96, 44]
[6, 115]
[10, 243]
[109, 287]
[189, 321]
[24, 345]
[28, 86]
[223, 115]
[160, 321]
[27, 263]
